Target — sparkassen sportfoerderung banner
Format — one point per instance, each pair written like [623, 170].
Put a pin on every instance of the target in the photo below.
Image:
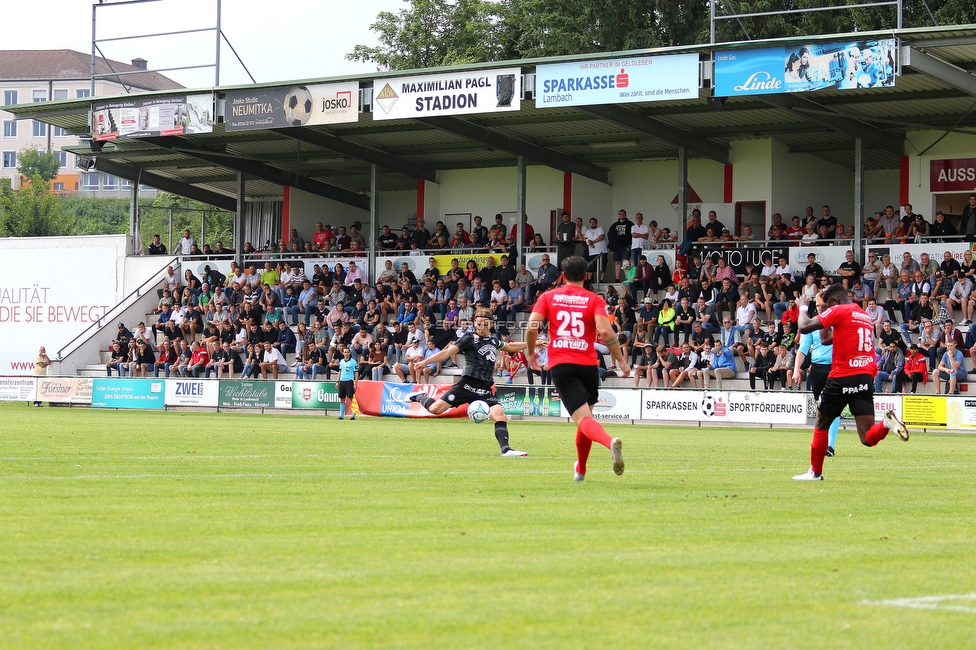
[298, 105]
[453, 93]
[797, 69]
[617, 81]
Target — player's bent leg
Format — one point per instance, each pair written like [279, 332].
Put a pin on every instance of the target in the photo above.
[497, 413]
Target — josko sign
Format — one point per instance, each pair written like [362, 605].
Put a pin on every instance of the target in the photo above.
[456, 93]
[288, 106]
[793, 69]
[617, 81]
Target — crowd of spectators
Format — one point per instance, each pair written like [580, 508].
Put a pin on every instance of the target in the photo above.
[690, 323]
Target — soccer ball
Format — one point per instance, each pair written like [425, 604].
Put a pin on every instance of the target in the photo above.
[478, 411]
[298, 106]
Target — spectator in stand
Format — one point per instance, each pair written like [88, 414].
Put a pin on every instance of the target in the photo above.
[782, 369]
[166, 360]
[888, 225]
[183, 359]
[420, 235]
[693, 233]
[914, 368]
[878, 315]
[640, 238]
[919, 230]
[795, 231]
[951, 369]
[941, 228]
[887, 279]
[272, 362]
[286, 341]
[722, 365]
[862, 293]
[870, 271]
[596, 251]
[889, 334]
[356, 240]
[187, 243]
[565, 236]
[157, 247]
[959, 296]
[648, 362]
[459, 240]
[811, 235]
[198, 361]
[665, 322]
[891, 368]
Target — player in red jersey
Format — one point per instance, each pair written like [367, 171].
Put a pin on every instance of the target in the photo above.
[576, 316]
[851, 378]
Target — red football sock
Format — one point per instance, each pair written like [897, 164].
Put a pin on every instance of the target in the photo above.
[583, 445]
[818, 450]
[595, 432]
[875, 434]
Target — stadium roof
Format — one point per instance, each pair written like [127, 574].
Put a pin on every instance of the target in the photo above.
[935, 90]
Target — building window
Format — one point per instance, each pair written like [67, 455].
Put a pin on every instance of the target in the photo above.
[126, 184]
[10, 128]
[40, 95]
[10, 160]
[59, 187]
[89, 182]
[9, 97]
[62, 157]
[83, 92]
[58, 132]
[110, 183]
[60, 93]
[38, 129]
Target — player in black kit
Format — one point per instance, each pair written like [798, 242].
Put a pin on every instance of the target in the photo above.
[477, 381]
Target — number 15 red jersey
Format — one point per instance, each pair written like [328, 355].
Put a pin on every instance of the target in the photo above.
[853, 340]
[571, 312]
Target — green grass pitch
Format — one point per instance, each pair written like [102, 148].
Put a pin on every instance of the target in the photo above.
[219, 530]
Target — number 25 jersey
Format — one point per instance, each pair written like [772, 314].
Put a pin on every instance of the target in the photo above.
[571, 312]
[853, 340]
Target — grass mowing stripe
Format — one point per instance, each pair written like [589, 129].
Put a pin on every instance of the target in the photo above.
[269, 531]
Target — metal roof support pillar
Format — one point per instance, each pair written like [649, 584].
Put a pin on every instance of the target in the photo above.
[134, 229]
[239, 221]
[520, 208]
[683, 190]
[858, 198]
[374, 218]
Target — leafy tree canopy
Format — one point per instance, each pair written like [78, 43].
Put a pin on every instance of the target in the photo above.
[32, 161]
[429, 33]
[31, 212]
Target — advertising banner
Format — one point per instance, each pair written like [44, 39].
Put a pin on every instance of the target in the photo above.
[617, 404]
[17, 389]
[829, 257]
[286, 106]
[886, 402]
[513, 399]
[247, 394]
[960, 412]
[737, 258]
[49, 306]
[617, 81]
[952, 175]
[383, 398]
[451, 93]
[795, 69]
[65, 390]
[680, 405]
[192, 392]
[935, 251]
[153, 116]
[114, 393]
[779, 407]
[282, 394]
[314, 395]
[924, 411]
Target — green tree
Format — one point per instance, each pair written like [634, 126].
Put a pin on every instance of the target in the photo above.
[31, 212]
[97, 216]
[433, 33]
[32, 161]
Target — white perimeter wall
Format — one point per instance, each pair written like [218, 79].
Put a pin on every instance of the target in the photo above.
[649, 188]
[954, 145]
[54, 288]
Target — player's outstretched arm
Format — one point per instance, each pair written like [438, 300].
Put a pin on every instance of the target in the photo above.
[610, 340]
[513, 346]
[805, 322]
[437, 358]
[531, 334]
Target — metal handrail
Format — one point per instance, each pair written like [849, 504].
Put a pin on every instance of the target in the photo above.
[110, 314]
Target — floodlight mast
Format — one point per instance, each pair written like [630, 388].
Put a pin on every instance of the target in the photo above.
[852, 4]
[96, 50]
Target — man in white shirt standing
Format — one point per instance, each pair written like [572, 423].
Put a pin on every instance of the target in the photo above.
[639, 238]
[596, 247]
[186, 244]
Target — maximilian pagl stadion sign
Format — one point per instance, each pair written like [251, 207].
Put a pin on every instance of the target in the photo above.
[456, 93]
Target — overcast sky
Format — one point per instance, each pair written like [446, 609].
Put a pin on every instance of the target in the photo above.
[277, 39]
